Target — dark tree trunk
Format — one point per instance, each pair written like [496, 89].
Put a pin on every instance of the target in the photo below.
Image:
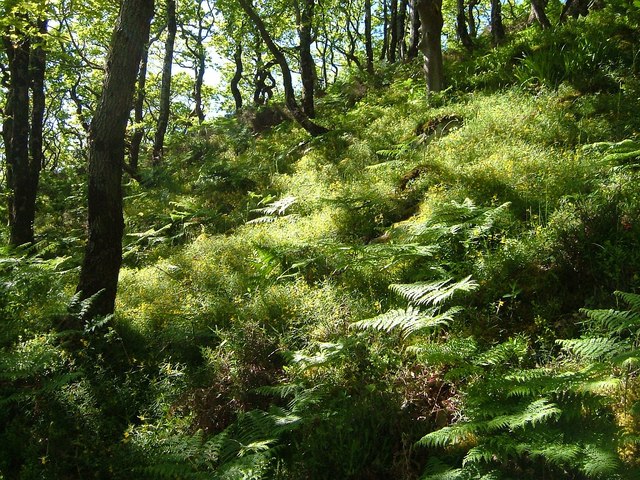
[461, 26]
[497, 28]
[414, 39]
[385, 30]
[22, 127]
[431, 42]
[290, 99]
[393, 27]
[538, 14]
[473, 25]
[368, 43]
[37, 70]
[103, 254]
[235, 81]
[401, 27]
[165, 89]
[307, 64]
[138, 109]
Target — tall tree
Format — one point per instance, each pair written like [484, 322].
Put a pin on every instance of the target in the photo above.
[497, 27]
[290, 99]
[393, 32]
[368, 42]
[23, 39]
[414, 37]
[431, 19]
[196, 26]
[165, 88]
[103, 254]
[461, 26]
[237, 76]
[308, 73]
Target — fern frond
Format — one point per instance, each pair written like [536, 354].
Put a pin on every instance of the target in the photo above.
[591, 349]
[408, 321]
[514, 348]
[613, 320]
[451, 435]
[433, 293]
[599, 463]
[631, 299]
[536, 412]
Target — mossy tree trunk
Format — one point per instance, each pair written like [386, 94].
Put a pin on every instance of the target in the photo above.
[103, 254]
[430, 12]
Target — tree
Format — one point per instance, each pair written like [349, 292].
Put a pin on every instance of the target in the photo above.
[431, 19]
[23, 39]
[497, 28]
[165, 89]
[368, 42]
[290, 99]
[103, 254]
[461, 26]
[538, 14]
[196, 26]
[307, 64]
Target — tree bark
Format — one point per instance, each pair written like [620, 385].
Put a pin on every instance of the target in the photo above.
[23, 125]
[538, 13]
[307, 64]
[103, 254]
[368, 43]
[393, 27]
[235, 81]
[385, 30]
[165, 89]
[138, 109]
[414, 39]
[289, 94]
[461, 26]
[400, 28]
[430, 12]
[497, 28]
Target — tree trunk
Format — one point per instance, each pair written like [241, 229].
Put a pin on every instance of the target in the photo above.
[289, 94]
[307, 64]
[197, 96]
[235, 81]
[138, 109]
[400, 28]
[497, 28]
[538, 13]
[430, 12]
[165, 89]
[103, 254]
[461, 26]
[368, 43]
[473, 25]
[414, 38]
[393, 27]
[385, 30]
[23, 124]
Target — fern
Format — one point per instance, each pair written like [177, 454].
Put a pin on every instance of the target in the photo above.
[408, 321]
[591, 349]
[433, 293]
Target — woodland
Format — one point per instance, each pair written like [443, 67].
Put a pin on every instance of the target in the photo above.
[320, 239]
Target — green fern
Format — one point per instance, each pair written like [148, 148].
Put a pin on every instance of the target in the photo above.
[408, 321]
[434, 293]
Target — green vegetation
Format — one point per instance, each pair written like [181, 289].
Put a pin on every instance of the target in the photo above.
[442, 286]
